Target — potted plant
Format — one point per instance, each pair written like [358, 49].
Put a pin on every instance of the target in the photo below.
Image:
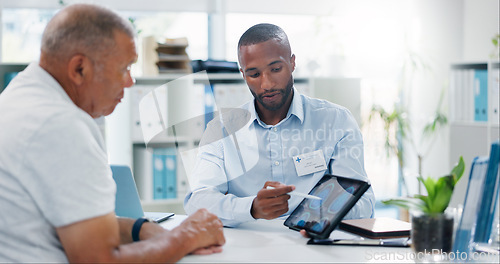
[432, 228]
[398, 120]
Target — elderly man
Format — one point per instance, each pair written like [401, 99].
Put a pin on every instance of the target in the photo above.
[56, 189]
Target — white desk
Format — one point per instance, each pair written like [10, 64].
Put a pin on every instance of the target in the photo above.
[270, 241]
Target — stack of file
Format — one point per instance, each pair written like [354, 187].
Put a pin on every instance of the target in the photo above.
[469, 92]
[164, 173]
[172, 56]
[494, 92]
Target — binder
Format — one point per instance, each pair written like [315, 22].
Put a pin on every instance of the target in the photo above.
[480, 87]
[480, 202]
[461, 94]
[474, 92]
[159, 191]
[164, 173]
[137, 94]
[489, 197]
[143, 171]
[469, 95]
[466, 227]
[171, 175]
[152, 112]
[494, 95]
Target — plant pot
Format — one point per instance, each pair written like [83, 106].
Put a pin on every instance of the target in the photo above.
[431, 233]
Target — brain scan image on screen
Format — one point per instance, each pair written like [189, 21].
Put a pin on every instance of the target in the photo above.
[303, 219]
[315, 215]
[317, 227]
[323, 193]
[320, 217]
[321, 224]
[337, 204]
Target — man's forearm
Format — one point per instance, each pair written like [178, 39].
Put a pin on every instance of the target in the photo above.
[148, 230]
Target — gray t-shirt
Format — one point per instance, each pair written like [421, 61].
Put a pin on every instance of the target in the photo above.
[53, 168]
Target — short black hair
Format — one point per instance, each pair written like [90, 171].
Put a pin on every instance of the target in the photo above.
[261, 33]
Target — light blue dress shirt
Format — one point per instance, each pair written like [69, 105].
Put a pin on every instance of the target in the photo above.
[239, 153]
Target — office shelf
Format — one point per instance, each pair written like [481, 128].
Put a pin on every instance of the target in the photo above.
[224, 90]
[180, 100]
[471, 135]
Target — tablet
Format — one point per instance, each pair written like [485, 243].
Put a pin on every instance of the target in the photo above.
[320, 217]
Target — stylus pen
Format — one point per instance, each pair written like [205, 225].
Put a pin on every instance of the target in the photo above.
[300, 194]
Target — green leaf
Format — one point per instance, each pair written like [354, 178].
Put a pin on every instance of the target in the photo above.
[429, 185]
[443, 182]
[458, 170]
[407, 203]
[442, 199]
[426, 201]
[439, 192]
[439, 120]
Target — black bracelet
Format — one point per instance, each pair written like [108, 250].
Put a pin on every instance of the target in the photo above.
[136, 228]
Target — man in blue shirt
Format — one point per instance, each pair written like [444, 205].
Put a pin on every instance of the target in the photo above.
[244, 151]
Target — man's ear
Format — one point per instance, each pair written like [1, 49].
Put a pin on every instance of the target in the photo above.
[292, 62]
[79, 68]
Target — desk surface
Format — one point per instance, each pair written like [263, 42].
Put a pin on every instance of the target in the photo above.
[270, 241]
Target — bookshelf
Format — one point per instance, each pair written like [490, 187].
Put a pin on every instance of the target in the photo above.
[183, 100]
[474, 109]
[183, 95]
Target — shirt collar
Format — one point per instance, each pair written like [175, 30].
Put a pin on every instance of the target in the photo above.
[49, 80]
[296, 109]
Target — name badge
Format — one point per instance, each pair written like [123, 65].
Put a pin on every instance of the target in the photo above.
[309, 162]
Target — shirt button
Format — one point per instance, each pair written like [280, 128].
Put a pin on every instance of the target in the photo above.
[275, 129]
[276, 163]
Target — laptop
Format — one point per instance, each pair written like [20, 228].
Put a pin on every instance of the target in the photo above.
[127, 202]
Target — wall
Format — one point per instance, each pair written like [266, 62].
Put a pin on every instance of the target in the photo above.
[452, 32]
[481, 23]
[440, 45]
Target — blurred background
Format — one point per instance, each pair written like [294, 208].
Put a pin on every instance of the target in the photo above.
[396, 64]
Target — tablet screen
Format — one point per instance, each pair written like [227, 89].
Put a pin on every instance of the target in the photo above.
[320, 217]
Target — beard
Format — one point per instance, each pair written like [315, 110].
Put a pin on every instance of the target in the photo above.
[285, 93]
